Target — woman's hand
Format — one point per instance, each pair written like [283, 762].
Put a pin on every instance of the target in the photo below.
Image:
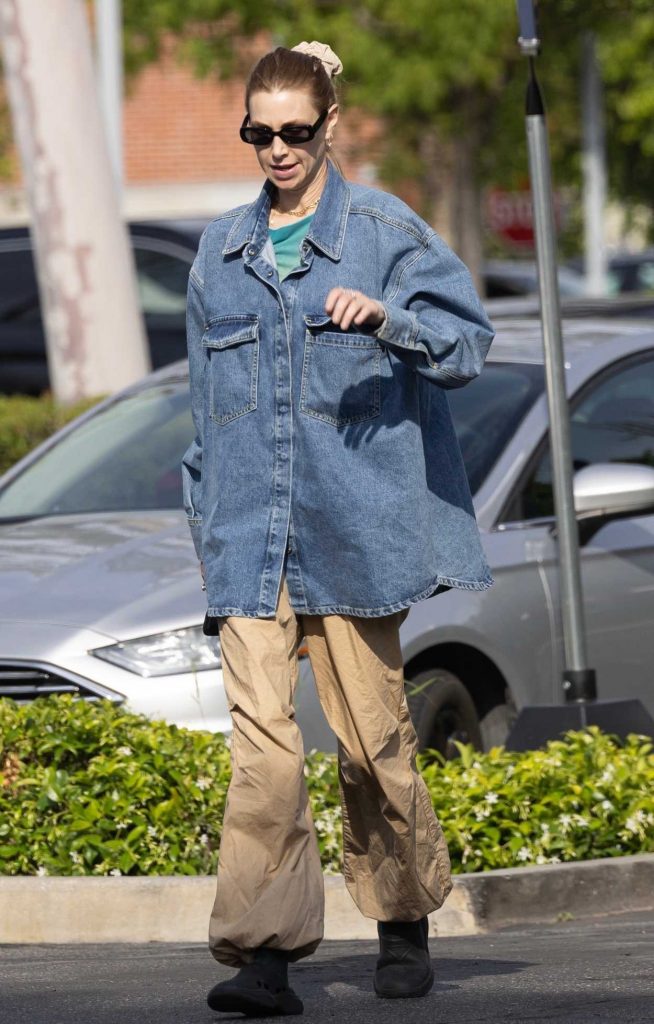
[347, 306]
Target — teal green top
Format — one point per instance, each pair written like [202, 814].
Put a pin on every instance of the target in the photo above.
[286, 243]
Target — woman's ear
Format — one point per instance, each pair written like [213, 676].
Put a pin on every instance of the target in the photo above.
[332, 118]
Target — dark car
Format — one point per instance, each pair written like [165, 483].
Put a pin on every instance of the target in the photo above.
[505, 279]
[163, 253]
[627, 272]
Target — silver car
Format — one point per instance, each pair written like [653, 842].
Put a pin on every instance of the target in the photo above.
[100, 589]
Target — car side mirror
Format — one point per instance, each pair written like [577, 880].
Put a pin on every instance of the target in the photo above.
[610, 489]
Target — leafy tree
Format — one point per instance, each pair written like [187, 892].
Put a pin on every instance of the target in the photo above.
[448, 82]
[627, 64]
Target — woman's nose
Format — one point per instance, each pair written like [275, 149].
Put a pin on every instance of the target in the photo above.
[279, 148]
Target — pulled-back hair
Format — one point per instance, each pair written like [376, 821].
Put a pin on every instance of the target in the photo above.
[291, 69]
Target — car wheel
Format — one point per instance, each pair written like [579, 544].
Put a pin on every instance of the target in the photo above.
[442, 711]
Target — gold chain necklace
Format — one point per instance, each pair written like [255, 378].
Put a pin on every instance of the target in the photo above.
[301, 211]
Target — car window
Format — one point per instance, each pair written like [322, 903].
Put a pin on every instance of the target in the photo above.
[162, 282]
[19, 295]
[487, 411]
[126, 456]
[162, 279]
[646, 276]
[613, 422]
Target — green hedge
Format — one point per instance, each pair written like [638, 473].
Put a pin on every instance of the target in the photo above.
[26, 422]
[93, 789]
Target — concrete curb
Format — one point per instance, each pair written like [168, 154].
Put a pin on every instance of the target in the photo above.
[177, 908]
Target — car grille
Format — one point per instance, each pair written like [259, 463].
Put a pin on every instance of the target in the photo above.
[23, 681]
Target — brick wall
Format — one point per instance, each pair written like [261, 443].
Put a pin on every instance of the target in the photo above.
[181, 128]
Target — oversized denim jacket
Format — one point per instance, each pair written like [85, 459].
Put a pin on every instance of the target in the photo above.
[324, 453]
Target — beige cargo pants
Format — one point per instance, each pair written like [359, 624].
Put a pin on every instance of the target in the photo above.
[396, 865]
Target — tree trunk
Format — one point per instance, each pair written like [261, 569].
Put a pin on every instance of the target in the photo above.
[95, 338]
[465, 208]
[437, 182]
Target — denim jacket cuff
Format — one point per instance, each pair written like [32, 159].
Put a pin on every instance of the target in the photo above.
[195, 526]
[399, 328]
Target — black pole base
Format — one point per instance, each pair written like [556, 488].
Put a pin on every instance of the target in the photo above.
[580, 684]
[536, 724]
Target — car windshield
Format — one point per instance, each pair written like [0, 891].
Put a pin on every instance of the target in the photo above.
[127, 456]
[487, 411]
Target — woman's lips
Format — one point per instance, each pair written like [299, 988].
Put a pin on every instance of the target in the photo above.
[284, 170]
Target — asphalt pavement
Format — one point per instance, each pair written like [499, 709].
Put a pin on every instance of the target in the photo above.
[577, 973]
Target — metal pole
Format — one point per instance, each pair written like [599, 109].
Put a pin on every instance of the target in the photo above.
[109, 47]
[578, 679]
[594, 168]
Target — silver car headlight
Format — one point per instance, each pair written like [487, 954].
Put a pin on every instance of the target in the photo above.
[165, 654]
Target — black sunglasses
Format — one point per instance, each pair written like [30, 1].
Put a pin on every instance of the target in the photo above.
[290, 135]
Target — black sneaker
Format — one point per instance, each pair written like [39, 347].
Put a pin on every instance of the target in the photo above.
[259, 989]
[404, 969]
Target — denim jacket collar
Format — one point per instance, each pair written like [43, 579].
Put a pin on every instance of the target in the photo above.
[327, 227]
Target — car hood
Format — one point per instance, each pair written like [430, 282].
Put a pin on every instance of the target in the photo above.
[123, 574]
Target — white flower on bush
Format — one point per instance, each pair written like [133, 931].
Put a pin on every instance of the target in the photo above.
[580, 821]
[524, 853]
[565, 821]
[606, 805]
[553, 762]
[544, 825]
[491, 798]
[152, 831]
[203, 782]
[75, 857]
[635, 822]
[125, 751]
[608, 773]
[481, 815]
[115, 872]
[41, 871]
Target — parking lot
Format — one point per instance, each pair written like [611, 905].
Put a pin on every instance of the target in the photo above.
[568, 972]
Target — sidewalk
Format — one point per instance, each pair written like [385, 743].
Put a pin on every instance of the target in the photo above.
[177, 908]
[568, 973]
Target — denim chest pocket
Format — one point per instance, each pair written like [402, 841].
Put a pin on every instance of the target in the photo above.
[341, 373]
[232, 344]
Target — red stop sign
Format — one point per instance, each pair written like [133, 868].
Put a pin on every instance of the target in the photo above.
[510, 215]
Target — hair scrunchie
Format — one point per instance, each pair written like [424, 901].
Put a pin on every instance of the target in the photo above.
[330, 61]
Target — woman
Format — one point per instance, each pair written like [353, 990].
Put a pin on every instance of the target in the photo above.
[326, 494]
